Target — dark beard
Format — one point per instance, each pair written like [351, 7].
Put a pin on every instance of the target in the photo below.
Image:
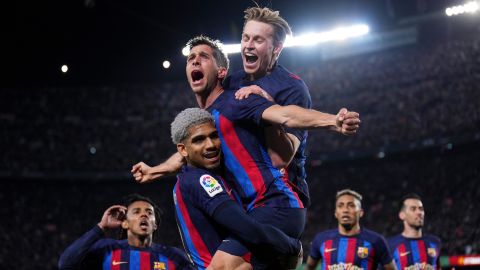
[347, 227]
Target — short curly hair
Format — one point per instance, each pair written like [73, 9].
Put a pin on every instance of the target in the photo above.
[186, 119]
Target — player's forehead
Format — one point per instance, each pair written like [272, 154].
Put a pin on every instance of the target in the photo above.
[255, 28]
[203, 129]
[140, 205]
[201, 49]
[346, 198]
[413, 203]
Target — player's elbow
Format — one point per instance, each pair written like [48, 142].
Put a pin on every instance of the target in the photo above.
[64, 263]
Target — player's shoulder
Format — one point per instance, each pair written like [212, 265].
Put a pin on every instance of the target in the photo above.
[192, 178]
[109, 244]
[395, 238]
[286, 76]
[371, 235]
[327, 234]
[167, 250]
[432, 238]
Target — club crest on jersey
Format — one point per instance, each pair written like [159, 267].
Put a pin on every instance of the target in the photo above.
[159, 265]
[362, 252]
[210, 184]
[432, 252]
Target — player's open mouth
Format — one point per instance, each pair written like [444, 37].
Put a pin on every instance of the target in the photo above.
[197, 75]
[250, 58]
[144, 224]
[212, 154]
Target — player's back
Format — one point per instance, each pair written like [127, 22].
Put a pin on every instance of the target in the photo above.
[245, 154]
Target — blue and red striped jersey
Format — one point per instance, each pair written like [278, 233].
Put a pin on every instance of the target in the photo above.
[92, 251]
[248, 165]
[415, 253]
[285, 88]
[197, 194]
[365, 250]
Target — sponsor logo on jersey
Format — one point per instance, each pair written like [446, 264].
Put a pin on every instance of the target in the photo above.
[210, 184]
[328, 250]
[432, 252]
[344, 266]
[403, 254]
[115, 263]
[420, 266]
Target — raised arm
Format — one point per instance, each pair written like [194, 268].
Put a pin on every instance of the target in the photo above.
[145, 174]
[292, 116]
[75, 254]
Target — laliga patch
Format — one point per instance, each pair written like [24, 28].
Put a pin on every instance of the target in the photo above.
[210, 184]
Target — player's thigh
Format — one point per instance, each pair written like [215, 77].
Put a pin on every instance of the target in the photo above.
[224, 261]
[289, 220]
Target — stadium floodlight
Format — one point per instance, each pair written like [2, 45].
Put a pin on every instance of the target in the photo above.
[470, 7]
[309, 39]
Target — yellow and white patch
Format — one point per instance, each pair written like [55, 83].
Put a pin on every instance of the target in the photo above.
[210, 184]
[432, 252]
[362, 252]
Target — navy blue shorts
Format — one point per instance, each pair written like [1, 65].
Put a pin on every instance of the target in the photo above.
[289, 220]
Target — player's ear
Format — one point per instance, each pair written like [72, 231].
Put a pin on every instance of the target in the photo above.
[361, 212]
[182, 149]
[401, 215]
[222, 72]
[278, 49]
[125, 224]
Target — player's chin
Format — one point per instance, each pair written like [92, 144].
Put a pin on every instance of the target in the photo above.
[212, 164]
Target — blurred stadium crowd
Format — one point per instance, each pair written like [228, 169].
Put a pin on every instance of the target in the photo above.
[419, 105]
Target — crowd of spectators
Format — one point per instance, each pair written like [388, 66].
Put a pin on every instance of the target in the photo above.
[407, 98]
[410, 100]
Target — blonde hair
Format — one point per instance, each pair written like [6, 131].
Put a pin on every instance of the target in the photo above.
[280, 27]
[350, 192]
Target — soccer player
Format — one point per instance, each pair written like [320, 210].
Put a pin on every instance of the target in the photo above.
[412, 249]
[140, 219]
[263, 36]
[349, 246]
[205, 207]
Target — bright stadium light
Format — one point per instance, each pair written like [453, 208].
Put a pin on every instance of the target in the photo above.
[64, 68]
[166, 64]
[309, 39]
[470, 7]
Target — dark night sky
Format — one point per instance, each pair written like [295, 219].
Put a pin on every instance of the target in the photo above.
[120, 41]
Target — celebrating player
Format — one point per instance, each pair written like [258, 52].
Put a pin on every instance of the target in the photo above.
[205, 207]
[140, 219]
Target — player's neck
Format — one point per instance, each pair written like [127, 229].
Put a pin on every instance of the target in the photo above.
[349, 231]
[207, 100]
[140, 242]
[410, 232]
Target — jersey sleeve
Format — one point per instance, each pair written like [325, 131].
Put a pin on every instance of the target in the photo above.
[250, 108]
[76, 253]
[315, 251]
[180, 259]
[205, 191]
[296, 94]
[383, 254]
